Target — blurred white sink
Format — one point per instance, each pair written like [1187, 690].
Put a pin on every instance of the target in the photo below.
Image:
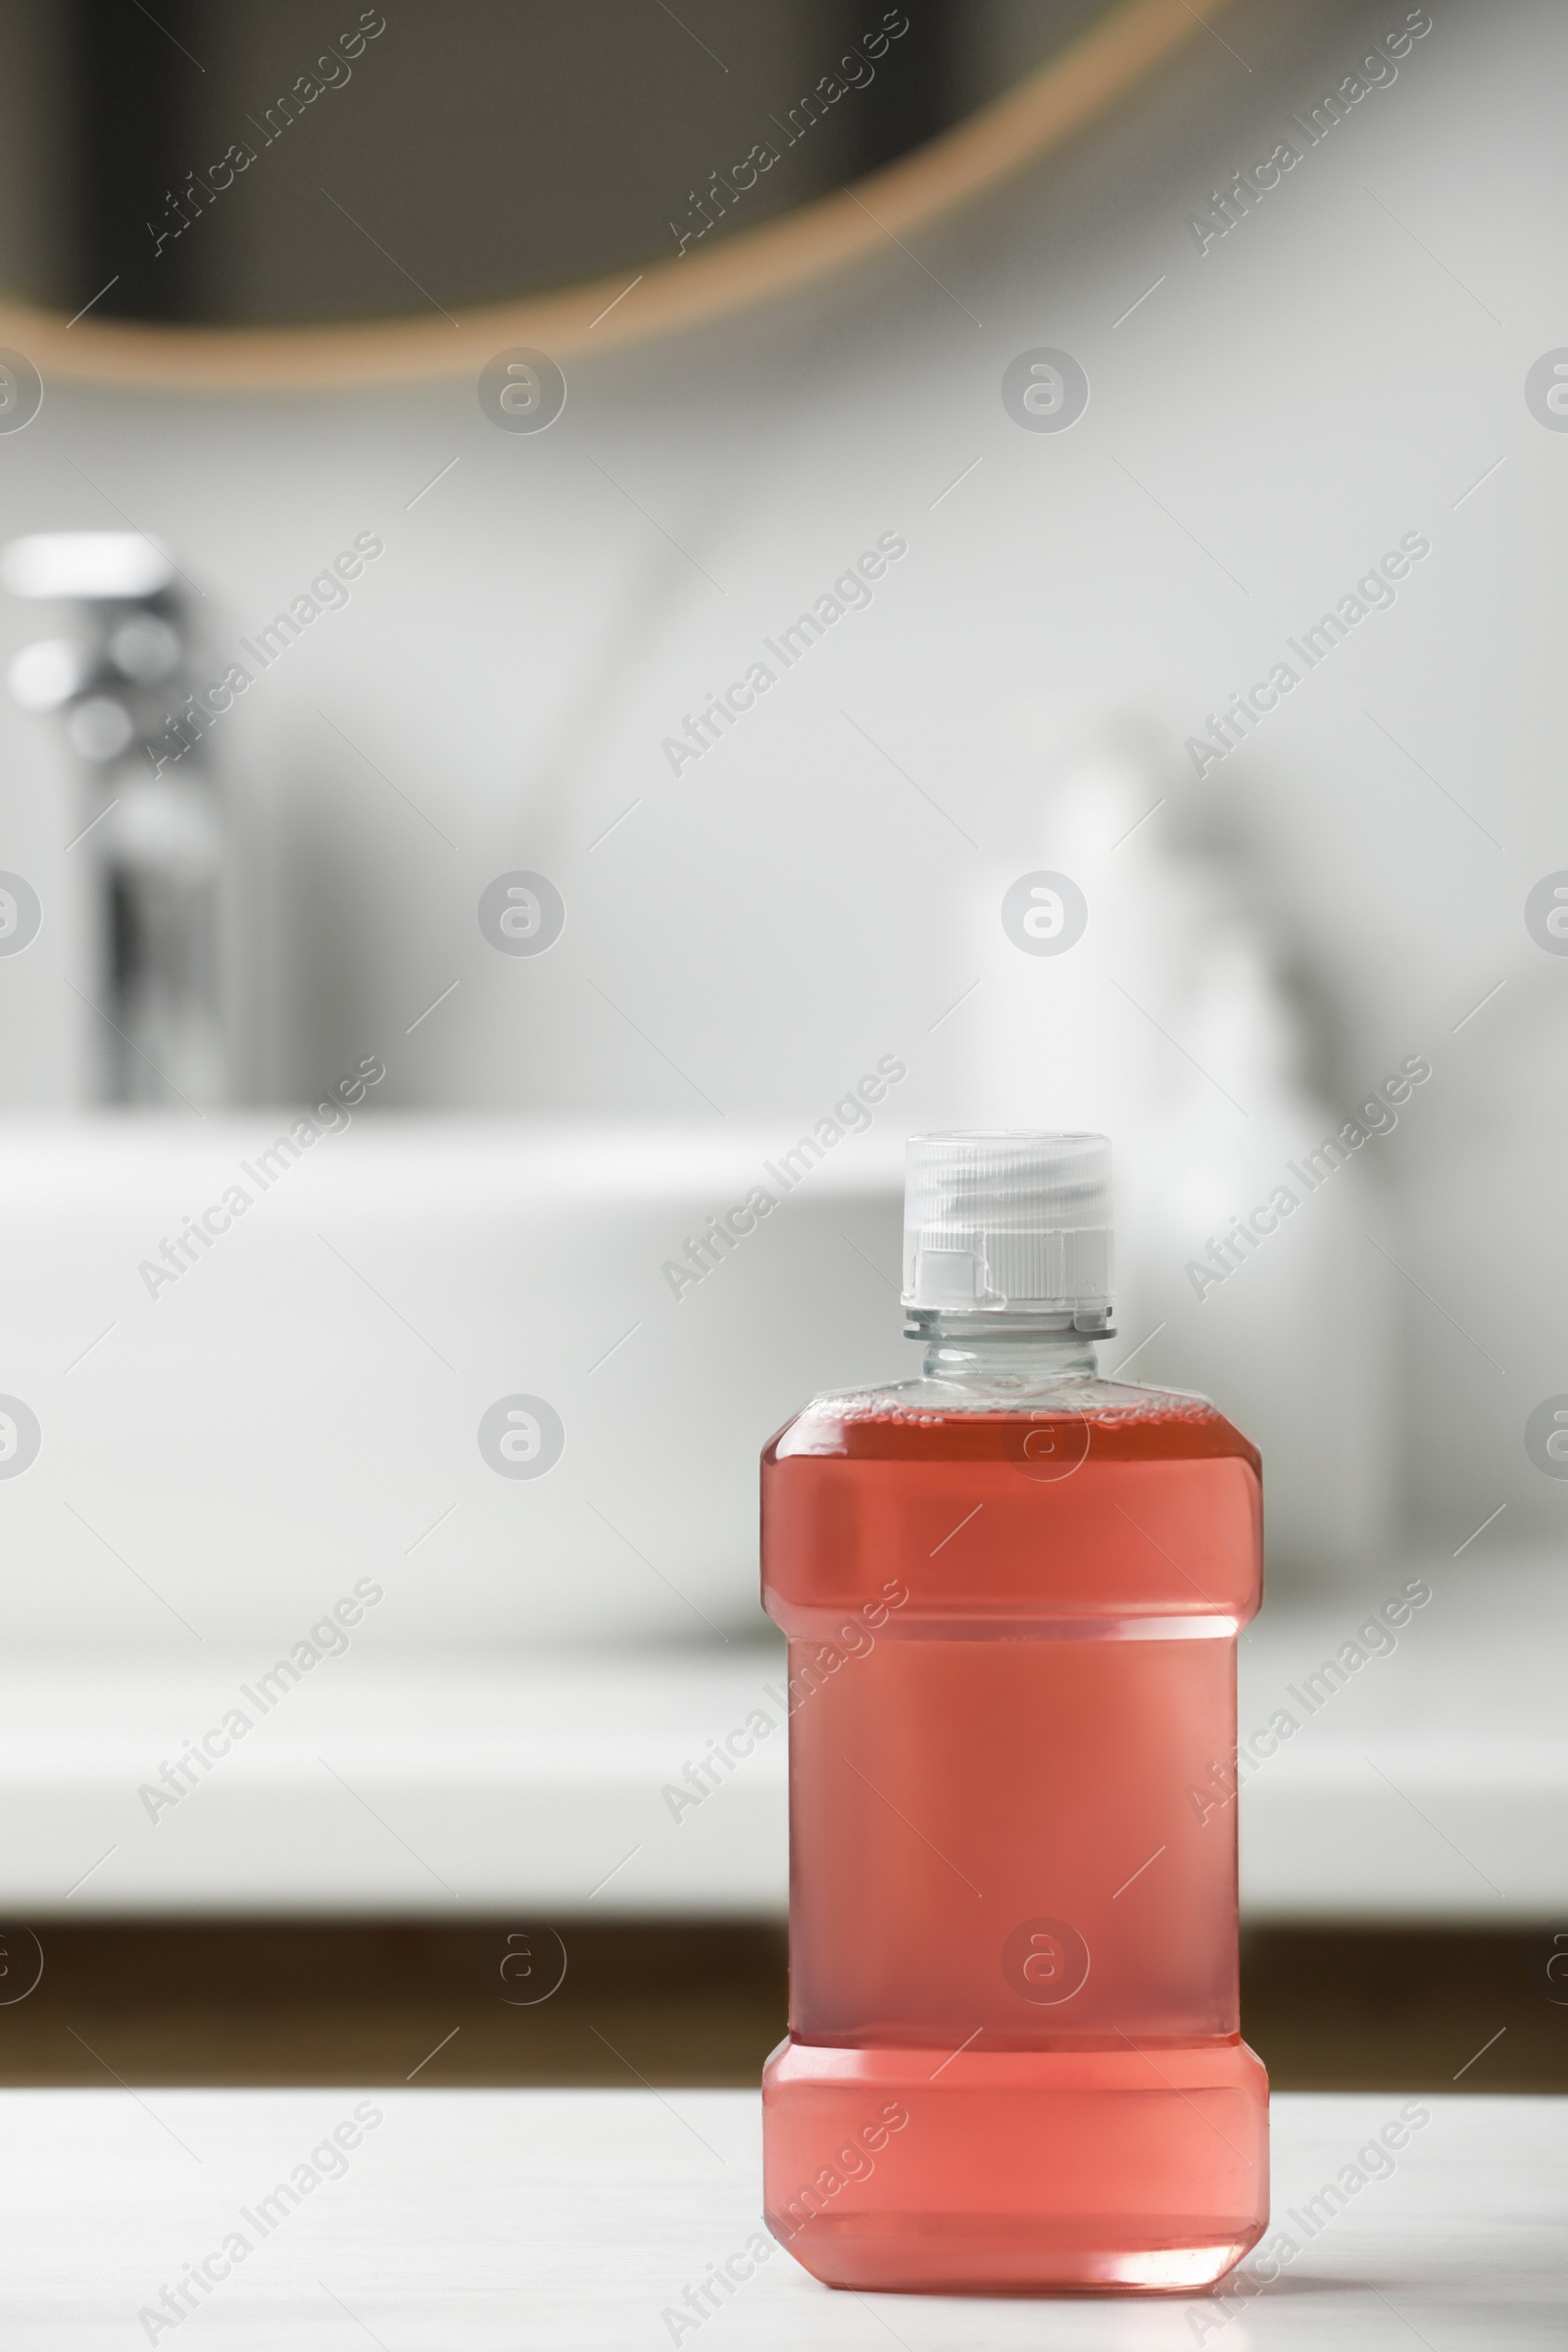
[225, 1454]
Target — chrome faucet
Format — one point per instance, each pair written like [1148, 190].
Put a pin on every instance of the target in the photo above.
[157, 833]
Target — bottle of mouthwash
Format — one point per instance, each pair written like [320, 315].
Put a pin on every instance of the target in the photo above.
[1012, 1592]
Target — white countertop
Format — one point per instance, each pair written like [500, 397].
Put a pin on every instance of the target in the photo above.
[1431, 1784]
[561, 2219]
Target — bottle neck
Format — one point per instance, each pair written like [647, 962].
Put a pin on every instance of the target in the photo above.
[1002, 1351]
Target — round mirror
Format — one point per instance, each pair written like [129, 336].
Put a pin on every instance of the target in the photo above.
[198, 193]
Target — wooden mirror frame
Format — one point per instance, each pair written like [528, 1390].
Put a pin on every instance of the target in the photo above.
[757, 264]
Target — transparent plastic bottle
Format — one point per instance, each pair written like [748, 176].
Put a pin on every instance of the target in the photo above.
[1012, 1592]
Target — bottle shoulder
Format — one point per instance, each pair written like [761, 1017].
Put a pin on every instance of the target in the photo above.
[933, 1419]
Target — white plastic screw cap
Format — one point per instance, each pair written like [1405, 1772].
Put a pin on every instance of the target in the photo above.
[1008, 1224]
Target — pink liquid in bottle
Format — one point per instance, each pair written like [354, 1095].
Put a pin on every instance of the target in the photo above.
[1012, 1593]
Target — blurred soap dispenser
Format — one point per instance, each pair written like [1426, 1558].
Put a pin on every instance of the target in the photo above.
[1148, 999]
[152, 821]
[1258, 1251]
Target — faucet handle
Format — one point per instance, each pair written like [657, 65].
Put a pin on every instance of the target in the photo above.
[89, 566]
[126, 644]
